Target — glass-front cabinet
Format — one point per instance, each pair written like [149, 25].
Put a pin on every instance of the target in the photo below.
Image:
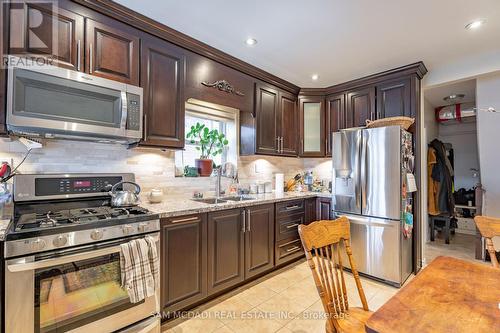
[312, 126]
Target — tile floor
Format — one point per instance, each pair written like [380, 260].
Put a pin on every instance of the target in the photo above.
[461, 246]
[284, 301]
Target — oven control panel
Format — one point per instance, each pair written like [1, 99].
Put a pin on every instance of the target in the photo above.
[74, 185]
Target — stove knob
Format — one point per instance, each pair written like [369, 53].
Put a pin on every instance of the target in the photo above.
[127, 229]
[37, 244]
[142, 227]
[96, 234]
[60, 240]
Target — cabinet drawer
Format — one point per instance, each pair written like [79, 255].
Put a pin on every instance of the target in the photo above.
[182, 219]
[288, 250]
[288, 227]
[289, 207]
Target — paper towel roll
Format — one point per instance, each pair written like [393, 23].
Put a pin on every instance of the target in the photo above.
[279, 184]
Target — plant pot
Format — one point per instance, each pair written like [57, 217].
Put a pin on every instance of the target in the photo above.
[205, 167]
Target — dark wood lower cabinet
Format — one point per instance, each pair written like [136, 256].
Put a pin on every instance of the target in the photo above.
[226, 249]
[259, 240]
[310, 210]
[324, 209]
[183, 261]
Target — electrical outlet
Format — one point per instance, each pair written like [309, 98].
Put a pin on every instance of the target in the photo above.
[257, 168]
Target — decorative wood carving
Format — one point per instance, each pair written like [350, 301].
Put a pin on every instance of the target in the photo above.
[223, 85]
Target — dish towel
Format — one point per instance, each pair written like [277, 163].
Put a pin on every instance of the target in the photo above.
[139, 268]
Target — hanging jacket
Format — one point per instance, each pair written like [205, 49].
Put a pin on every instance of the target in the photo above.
[442, 172]
[433, 186]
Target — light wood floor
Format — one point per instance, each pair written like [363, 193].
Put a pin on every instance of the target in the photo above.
[284, 302]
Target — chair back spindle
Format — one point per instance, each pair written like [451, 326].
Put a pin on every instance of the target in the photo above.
[323, 242]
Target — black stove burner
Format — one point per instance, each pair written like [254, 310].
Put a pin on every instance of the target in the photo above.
[34, 221]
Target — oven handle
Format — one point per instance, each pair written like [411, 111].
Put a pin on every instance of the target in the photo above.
[29, 266]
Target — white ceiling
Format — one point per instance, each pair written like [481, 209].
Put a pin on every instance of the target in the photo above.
[338, 39]
[435, 95]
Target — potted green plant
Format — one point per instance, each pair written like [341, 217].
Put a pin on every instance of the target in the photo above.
[211, 143]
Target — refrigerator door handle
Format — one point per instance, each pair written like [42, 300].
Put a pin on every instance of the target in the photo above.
[358, 160]
[363, 167]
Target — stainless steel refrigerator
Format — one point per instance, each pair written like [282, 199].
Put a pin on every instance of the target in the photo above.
[369, 187]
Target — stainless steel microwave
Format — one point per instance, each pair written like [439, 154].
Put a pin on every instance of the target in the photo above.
[52, 102]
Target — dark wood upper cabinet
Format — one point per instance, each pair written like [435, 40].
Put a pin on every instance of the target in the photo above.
[112, 51]
[266, 113]
[183, 261]
[288, 124]
[360, 106]
[216, 83]
[335, 118]
[226, 249]
[259, 239]
[48, 31]
[312, 126]
[162, 78]
[394, 99]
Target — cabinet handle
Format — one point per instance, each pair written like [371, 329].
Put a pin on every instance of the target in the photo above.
[292, 226]
[243, 221]
[78, 55]
[90, 59]
[281, 140]
[145, 125]
[248, 220]
[295, 248]
[292, 207]
[278, 144]
[188, 219]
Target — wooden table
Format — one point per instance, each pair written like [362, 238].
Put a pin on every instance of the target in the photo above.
[449, 295]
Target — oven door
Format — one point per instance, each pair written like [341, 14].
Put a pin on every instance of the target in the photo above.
[52, 101]
[76, 292]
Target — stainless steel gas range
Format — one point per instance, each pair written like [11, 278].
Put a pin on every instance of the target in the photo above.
[62, 257]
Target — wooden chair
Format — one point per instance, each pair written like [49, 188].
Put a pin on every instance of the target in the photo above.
[489, 227]
[322, 242]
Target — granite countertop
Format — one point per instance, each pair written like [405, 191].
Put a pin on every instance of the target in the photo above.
[184, 205]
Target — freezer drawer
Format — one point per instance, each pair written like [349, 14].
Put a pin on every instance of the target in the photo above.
[375, 247]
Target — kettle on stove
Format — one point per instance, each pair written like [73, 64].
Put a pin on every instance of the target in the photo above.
[124, 198]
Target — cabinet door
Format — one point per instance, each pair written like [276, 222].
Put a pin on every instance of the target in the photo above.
[335, 118]
[112, 51]
[360, 107]
[312, 126]
[259, 239]
[266, 111]
[310, 211]
[288, 124]
[394, 99]
[226, 249]
[162, 78]
[183, 261]
[324, 209]
[45, 30]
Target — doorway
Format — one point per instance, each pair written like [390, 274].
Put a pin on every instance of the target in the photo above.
[450, 135]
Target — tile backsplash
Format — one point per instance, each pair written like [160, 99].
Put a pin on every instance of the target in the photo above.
[153, 168]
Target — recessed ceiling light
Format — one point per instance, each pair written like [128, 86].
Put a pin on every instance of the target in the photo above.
[315, 77]
[474, 24]
[251, 41]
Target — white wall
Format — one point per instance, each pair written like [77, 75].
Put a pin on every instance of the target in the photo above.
[463, 138]
[488, 127]
[429, 133]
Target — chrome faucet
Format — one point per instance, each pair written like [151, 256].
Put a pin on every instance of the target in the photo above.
[218, 186]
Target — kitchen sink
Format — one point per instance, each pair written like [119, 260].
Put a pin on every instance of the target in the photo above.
[210, 200]
[239, 198]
